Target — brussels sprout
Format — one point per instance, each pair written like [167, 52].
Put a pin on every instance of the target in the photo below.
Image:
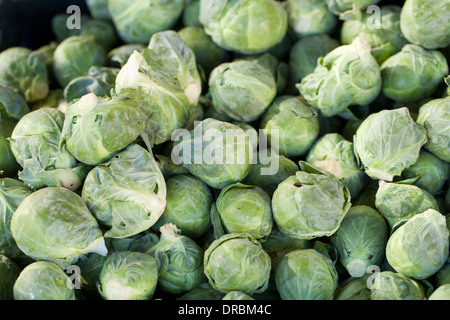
[55, 224]
[138, 20]
[425, 23]
[141, 242]
[126, 193]
[335, 154]
[35, 145]
[24, 71]
[310, 17]
[443, 275]
[128, 275]
[433, 116]
[292, 124]
[244, 208]
[413, 73]
[61, 25]
[310, 204]
[90, 267]
[191, 14]
[203, 292]
[399, 201]
[247, 27]
[118, 57]
[361, 240]
[306, 275]
[188, 203]
[9, 272]
[348, 75]
[8, 163]
[353, 289]
[389, 285]
[244, 88]
[170, 169]
[237, 262]
[99, 9]
[237, 295]
[385, 38]
[340, 6]
[102, 31]
[95, 129]
[441, 293]
[43, 280]
[388, 142]
[180, 261]
[218, 153]
[419, 248]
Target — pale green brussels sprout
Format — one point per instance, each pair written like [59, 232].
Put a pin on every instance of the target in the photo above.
[361, 240]
[99, 80]
[64, 26]
[218, 153]
[348, 75]
[8, 163]
[191, 14]
[383, 35]
[188, 203]
[35, 143]
[237, 262]
[388, 285]
[98, 9]
[312, 203]
[310, 17]
[128, 275]
[400, 201]
[180, 261]
[353, 289]
[244, 88]
[9, 272]
[203, 292]
[24, 71]
[243, 208]
[413, 73]
[433, 116]
[43, 280]
[340, 6]
[420, 247]
[118, 57]
[306, 274]
[54, 224]
[441, 293]
[432, 172]
[102, 31]
[387, 142]
[333, 153]
[137, 20]
[127, 193]
[243, 26]
[291, 125]
[75, 56]
[425, 23]
[95, 128]
[237, 295]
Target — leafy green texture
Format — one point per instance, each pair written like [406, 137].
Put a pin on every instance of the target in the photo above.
[12, 104]
[340, 6]
[353, 289]
[388, 285]
[99, 9]
[441, 293]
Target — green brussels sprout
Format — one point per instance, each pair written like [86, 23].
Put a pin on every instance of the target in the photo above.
[102, 31]
[62, 28]
[141, 242]
[441, 293]
[98, 9]
[348, 75]
[361, 240]
[180, 261]
[243, 208]
[203, 292]
[425, 23]
[188, 204]
[339, 6]
[218, 153]
[237, 295]
[170, 169]
[237, 262]
[244, 88]
[12, 104]
[413, 73]
[443, 275]
[385, 38]
[43, 280]
[127, 193]
[420, 247]
[432, 172]
[94, 129]
[118, 57]
[35, 143]
[243, 26]
[55, 224]
[433, 115]
[9, 272]
[75, 56]
[306, 274]
[24, 71]
[388, 142]
[292, 124]
[310, 204]
[191, 14]
[390, 285]
[333, 153]
[399, 201]
[207, 54]
[128, 275]
[8, 163]
[353, 289]
[310, 17]
[138, 20]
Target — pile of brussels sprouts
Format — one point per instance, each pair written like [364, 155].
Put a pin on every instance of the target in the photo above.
[229, 150]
